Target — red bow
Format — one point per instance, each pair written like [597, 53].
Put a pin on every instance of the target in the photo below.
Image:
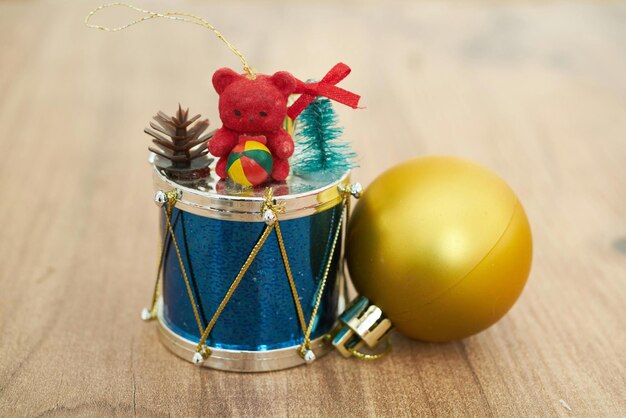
[327, 88]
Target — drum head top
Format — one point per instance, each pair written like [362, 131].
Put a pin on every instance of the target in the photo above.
[223, 199]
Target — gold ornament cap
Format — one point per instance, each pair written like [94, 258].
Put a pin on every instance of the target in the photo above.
[362, 323]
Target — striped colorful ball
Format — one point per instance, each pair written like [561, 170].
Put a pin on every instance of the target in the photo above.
[249, 164]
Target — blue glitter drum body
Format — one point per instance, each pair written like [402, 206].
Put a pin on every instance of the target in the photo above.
[261, 315]
[216, 227]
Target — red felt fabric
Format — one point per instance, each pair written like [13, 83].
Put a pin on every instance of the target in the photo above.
[253, 108]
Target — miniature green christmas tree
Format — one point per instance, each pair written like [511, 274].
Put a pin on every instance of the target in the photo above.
[317, 146]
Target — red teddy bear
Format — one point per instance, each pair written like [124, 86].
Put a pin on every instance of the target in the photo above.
[253, 109]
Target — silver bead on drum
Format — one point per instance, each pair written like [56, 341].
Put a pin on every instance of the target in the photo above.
[160, 198]
[356, 190]
[197, 359]
[309, 356]
[201, 355]
[146, 314]
[269, 217]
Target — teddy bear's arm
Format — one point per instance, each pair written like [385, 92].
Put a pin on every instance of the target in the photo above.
[222, 142]
[280, 144]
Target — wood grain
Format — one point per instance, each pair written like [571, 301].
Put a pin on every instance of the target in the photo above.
[535, 91]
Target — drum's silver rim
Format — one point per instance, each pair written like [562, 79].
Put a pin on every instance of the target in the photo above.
[248, 209]
[237, 360]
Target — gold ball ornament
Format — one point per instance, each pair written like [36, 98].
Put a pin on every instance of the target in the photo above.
[441, 245]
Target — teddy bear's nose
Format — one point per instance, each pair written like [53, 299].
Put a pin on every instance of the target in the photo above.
[251, 119]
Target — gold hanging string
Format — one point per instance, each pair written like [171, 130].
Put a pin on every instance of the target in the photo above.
[177, 16]
[171, 202]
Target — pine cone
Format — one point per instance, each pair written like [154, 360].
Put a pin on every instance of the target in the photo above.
[177, 138]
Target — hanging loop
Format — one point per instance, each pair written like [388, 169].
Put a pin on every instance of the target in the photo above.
[176, 16]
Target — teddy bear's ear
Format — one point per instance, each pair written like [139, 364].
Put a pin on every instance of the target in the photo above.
[285, 82]
[223, 78]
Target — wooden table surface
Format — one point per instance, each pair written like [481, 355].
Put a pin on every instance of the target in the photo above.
[536, 91]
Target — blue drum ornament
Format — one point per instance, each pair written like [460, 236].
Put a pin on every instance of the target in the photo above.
[250, 277]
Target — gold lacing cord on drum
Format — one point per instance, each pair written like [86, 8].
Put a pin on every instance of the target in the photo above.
[168, 206]
[272, 224]
[182, 265]
[342, 261]
[152, 312]
[172, 196]
[292, 283]
[306, 344]
[347, 191]
[202, 350]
